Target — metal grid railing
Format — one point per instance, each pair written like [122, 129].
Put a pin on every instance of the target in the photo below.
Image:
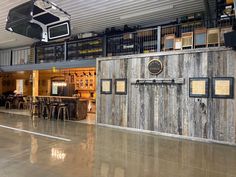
[202, 33]
[142, 41]
[85, 48]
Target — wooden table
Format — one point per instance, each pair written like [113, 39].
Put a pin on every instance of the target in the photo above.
[77, 107]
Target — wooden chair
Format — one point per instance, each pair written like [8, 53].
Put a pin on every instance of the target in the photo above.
[169, 42]
[187, 40]
[222, 32]
[200, 37]
[213, 37]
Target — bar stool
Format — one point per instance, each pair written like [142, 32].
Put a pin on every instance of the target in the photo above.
[22, 104]
[54, 103]
[45, 108]
[63, 109]
[8, 105]
[35, 108]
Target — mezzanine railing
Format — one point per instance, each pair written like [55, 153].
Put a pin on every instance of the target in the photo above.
[183, 36]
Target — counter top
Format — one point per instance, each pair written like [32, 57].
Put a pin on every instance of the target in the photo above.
[66, 97]
[62, 97]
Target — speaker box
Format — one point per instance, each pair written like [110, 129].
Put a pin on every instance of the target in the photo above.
[230, 39]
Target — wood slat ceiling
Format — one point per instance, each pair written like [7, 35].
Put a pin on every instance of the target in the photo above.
[96, 15]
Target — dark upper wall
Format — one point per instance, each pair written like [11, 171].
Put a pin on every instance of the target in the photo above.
[169, 109]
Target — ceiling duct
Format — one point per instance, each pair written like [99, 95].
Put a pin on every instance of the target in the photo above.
[39, 19]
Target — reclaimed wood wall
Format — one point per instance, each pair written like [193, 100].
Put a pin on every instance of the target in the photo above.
[168, 108]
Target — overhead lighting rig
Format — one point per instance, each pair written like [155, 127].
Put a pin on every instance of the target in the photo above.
[39, 19]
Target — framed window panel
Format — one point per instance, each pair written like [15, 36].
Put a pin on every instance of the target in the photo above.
[200, 37]
[169, 42]
[106, 86]
[187, 40]
[213, 36]
[121, 86]
[199, 87]
[223, 87]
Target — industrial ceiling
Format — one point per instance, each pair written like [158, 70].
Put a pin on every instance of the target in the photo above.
[96, 15]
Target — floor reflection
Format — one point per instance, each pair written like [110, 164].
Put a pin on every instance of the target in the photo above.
[34, 149]
[58, 154]
[105, 152]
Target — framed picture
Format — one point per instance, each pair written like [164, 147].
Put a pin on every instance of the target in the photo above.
[223, 87]
[106, 86]
[199, 87]
[121, 86]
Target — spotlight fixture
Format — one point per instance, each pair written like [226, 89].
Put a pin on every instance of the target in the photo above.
[39, 19]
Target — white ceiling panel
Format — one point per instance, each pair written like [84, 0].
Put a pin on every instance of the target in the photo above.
[96, 15]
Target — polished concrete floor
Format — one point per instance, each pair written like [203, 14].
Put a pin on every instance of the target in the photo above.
[15, 111]
[90, 151]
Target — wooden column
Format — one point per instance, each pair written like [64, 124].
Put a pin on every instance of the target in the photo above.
[35, 83]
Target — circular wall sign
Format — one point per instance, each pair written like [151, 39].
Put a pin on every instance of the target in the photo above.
[155, 66]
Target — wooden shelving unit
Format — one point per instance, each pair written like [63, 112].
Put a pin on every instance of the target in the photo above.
[85, 83]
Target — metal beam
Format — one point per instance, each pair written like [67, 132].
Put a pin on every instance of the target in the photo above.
[46, 66]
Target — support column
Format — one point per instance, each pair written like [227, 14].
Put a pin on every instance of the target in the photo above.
[158, 38]
[35, 83]
[235, 7]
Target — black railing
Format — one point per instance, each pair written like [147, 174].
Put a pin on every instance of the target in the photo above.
[195, 34]
[142, 41]
[189, 35]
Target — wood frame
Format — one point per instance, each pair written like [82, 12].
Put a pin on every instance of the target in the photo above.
[187, 36]
[210, 40]
[200, 31]
[168, 38]
[207, 87]
[231, 87]
[178, 44]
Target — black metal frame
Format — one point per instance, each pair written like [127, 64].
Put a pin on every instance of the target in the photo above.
[125, 91]
[104, 92]
[207, 87]
[231, 87]
[56, 38]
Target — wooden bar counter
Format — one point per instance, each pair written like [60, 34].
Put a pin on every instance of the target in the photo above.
[77, 107]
